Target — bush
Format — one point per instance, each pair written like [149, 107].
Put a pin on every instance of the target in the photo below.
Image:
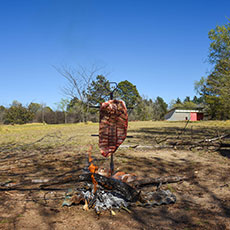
[17, 115]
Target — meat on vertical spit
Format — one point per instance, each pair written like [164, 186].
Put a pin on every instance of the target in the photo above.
[113, 126]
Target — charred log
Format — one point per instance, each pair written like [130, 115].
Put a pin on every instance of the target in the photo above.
[112, 184]
[106, 182]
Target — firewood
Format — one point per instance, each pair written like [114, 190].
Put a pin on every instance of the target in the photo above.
[129, 193]
[108, 183]
[157, 181]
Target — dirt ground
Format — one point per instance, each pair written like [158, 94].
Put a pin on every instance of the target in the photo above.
[203, 201]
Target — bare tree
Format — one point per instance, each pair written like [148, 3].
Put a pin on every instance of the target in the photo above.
[78, 81]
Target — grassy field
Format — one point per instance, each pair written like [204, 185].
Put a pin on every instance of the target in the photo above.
[78, 136]
[47, 136]
[36, 151]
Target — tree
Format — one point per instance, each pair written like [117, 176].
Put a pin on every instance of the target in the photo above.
[63, 106]
[143, 110]
[75, 111]
[47, 115]
[147, 109]
[17, 114]
[43, 111]
[178, 101]
[128, 93]
[214, 89]
[220, 43]
[2, 112]
[160, 107]
[78, 81]
[189, 105]
[98, 91]
[34, 107]
[16, 103]
[187, 99]
[186, 104]
[71, 104]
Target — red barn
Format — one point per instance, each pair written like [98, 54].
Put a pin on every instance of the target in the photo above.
[196, 116]
[180, 114]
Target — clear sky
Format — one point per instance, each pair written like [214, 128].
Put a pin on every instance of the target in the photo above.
[158, 45]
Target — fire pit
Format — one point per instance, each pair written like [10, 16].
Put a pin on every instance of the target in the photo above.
[101, 191]
[104, 200]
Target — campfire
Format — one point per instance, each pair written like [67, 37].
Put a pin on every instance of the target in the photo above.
[105, 189]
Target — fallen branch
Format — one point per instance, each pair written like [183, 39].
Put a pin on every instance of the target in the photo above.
[17, 188]
[10, 147]
[217, 138]
[128, 191]
[157, 181]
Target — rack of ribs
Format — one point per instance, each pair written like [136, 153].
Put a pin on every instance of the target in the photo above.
[113, 126]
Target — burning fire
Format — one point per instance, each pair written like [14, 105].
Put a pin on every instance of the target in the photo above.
[93, 169]
[122, 176]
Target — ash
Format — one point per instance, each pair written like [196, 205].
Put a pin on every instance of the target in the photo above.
[105, 200]
[100, 201]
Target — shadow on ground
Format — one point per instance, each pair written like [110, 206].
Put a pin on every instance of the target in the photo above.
[184, 138]
[202, 201]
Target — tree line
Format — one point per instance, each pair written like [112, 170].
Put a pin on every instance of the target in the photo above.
[86, 91]
[76, 110]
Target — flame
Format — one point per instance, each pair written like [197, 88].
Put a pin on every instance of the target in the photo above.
[93, 169]
[119, 175]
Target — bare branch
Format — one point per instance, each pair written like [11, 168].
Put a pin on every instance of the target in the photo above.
[78, 80]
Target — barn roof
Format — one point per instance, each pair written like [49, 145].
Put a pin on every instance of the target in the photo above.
[181, 109]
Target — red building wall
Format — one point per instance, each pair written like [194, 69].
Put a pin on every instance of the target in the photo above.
[196, 116]
[193, 116]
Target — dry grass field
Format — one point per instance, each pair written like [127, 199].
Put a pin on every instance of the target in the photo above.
[35, 152]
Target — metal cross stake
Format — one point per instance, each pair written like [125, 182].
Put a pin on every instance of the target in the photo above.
[111, 91]
[111, 98]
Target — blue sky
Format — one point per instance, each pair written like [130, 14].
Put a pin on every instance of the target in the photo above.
[160, 46]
